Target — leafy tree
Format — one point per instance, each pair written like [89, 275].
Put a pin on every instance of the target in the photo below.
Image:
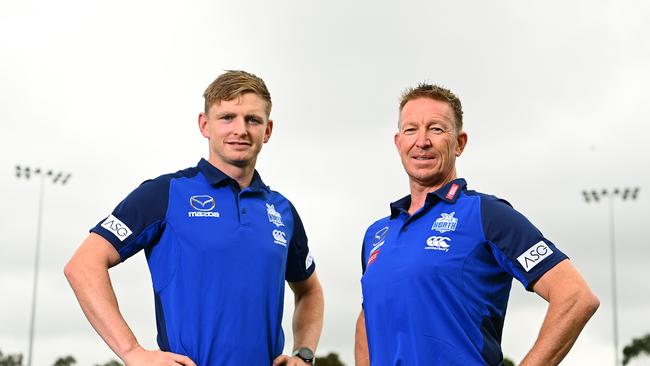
[65, 361]
[11, 360]
[111, 363]
[636, 348]
[332, 359]
[508, 362]
[17, 360]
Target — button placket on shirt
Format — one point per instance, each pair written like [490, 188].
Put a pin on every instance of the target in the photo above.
[243, 209]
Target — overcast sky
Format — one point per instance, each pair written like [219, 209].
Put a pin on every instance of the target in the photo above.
[555, 95]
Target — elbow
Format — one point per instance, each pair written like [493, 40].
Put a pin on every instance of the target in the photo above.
[70, 270]
[592, 303]
[586, 303]
[582, 303]
[75, 270]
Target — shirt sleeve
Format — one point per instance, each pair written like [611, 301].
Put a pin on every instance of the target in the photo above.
[367, 238]
[138, 221]
[518, 246]
[300, 261]
[363, 257]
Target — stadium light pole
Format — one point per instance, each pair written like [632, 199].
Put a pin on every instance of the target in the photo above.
[595, 197]
[27, 172]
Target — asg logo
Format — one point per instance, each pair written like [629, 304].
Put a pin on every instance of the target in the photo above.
[117, 227]
[534, 255]
[438, 243]
[279, 237]
[203, 204]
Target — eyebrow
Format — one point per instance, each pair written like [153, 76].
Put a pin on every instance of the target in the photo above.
[427, 123]
[225, 114]
[246, 116]
[253, 115]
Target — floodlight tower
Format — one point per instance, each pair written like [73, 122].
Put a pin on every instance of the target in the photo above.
[624, 194]
[27, 172]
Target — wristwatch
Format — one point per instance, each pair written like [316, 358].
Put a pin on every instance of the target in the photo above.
[304, 354]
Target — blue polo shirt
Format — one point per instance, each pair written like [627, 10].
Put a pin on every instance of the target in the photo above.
[436, 283]
[218, 258]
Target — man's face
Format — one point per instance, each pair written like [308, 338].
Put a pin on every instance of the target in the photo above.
[236, 129]
[428, 142]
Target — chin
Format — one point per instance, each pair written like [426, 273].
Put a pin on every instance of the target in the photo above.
[423, 174]
[425, 177]
[240, 162]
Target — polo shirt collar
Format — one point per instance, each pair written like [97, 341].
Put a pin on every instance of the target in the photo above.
[216, 177]
[448, 193]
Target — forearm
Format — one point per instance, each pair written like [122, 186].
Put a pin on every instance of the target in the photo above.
[88, 276]
[563, 323]
[100, 306]
[308, 318]
[361, 355]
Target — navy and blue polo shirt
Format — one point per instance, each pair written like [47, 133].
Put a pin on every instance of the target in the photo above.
[218, 258]
[436, 283]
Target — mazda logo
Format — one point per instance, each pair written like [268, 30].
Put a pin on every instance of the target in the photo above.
[202, 203]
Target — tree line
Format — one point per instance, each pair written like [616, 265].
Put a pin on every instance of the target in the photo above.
[638, 346]
[332, 359]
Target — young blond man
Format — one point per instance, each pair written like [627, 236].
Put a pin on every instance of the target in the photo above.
[219, 245]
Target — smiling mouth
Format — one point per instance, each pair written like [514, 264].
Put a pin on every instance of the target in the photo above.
[238, 143]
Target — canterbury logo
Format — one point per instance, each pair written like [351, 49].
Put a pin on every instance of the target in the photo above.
[438, 243]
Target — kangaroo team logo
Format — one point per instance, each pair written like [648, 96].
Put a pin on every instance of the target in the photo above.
[274, 216]
[446, 222]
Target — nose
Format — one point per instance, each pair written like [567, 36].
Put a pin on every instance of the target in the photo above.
[239, 126]
[422, 139]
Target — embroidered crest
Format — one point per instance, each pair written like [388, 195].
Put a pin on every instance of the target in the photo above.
[274, 216]
[446, 222]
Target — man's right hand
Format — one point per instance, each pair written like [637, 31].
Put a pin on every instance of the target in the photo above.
[139, 356]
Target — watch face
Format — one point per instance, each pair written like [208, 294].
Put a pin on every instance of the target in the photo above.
[305, 354]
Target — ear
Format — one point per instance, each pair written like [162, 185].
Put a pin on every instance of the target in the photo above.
[396, 140]
[267, 132]
[461, 142]
[203, 125]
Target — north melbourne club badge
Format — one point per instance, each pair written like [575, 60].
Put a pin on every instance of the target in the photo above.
[274, 216]
[446, 222]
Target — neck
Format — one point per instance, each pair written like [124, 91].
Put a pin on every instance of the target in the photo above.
[243, 175]
[419, 192]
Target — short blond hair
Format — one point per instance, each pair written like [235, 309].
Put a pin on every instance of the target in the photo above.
[435, 92]
[234, 83]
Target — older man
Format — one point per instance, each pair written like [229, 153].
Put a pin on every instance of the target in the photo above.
[437, 271]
